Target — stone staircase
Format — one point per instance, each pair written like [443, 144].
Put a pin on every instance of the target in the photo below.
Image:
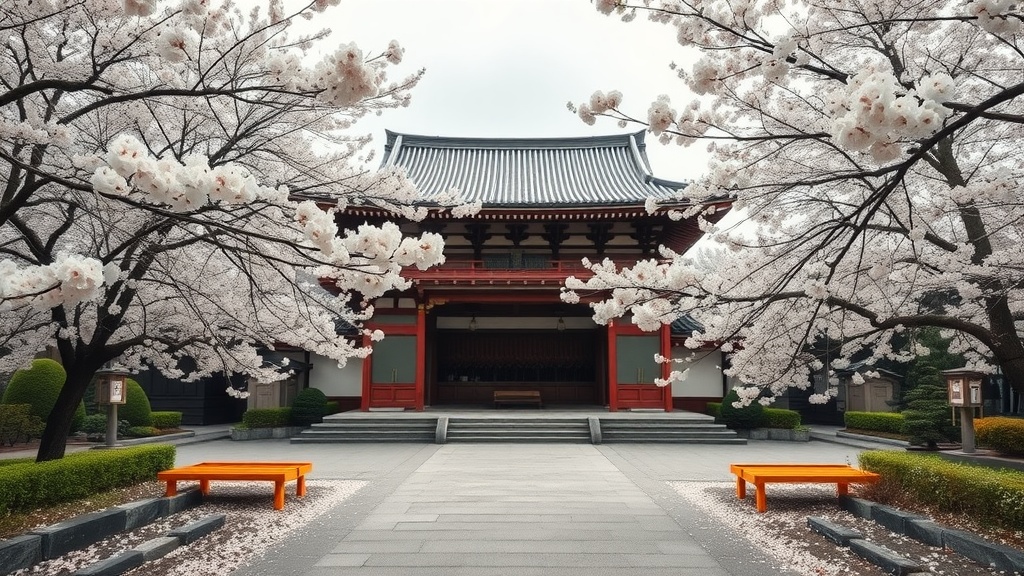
[563, 430]
[472, 428]
[376, 429]
[666, 430]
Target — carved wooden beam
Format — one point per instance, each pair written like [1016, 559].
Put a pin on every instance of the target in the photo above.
[600, 234]
[477, 236]
[516, 233]
[555, 234]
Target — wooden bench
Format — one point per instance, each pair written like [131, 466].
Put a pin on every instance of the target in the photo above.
[504, 397]
[276, 472]
[760, 474]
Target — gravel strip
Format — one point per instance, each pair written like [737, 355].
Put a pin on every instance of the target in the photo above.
[252, 526]
[783, 534]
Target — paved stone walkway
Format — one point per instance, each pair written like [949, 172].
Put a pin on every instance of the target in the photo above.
[515, 509]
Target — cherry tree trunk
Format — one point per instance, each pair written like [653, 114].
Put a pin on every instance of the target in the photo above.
[58, 425]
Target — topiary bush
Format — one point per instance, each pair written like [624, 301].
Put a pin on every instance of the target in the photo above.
[985, 494]
[28, 485]
[781, 418]
[741, 418]
[267, 418]
[890, 422]
[309, 407]
[39, 387]
[926, 418]
[166, 420]
[333, 407]
[714, 409]
[136, 409]
[1002, 434]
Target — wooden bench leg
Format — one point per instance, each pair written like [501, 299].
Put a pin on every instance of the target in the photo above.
[279, 495]
[761, 498]
[172, 488]
[300, 488]
[842, 488]
[741, 488]
[204, 487]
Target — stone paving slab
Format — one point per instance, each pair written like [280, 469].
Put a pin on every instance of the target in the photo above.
[517, 509]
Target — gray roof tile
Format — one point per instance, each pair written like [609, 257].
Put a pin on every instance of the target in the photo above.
[541, 172]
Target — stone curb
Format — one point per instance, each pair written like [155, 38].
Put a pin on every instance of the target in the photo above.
[841, 535]
[113, 566]
[153, 549]
[887, 560]
[925, 530]
[47, 542]
[242, 434]
[196, 530]
[875, 439]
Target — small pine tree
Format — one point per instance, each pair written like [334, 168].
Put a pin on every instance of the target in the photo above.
[927, 418]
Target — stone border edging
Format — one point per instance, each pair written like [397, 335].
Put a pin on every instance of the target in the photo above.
[154, 548]
[875, 439]
[888, 560]
[55, 540]
[265, 433]
[782, 434]
[933, 534]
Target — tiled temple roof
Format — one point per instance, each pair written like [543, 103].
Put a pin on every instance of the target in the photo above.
[531, 172]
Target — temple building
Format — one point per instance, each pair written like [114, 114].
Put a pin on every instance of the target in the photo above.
[490, 319]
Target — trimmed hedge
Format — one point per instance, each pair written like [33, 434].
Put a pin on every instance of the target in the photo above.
[984, 494]
[267, 418]
[1002, 434]
[28, 485]
[136, 409]
[166, 419]
[39, 386]
[781, 418]
[891, 422]
[333, 407]
[714, 409]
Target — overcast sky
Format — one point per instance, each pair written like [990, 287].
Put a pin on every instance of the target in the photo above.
[506, 68]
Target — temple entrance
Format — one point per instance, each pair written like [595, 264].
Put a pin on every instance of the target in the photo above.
[563, 365]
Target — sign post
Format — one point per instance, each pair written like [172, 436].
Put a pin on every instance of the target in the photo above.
[111, 390]
[964, 388]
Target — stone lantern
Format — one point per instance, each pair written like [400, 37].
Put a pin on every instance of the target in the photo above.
[111, 390]
[964, 388]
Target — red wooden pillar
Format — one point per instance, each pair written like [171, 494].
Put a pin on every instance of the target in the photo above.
[421, 355]
[613, 371]
[666, 368]
[364, 401]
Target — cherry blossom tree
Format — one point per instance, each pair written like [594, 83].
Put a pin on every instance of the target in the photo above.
[170, 172]
[873, 149]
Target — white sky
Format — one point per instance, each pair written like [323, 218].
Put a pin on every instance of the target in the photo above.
[506, 68]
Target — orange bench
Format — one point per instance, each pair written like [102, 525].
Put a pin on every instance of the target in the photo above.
[760, 474]
[276, 472]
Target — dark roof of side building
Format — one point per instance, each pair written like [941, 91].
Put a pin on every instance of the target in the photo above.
[531, 172]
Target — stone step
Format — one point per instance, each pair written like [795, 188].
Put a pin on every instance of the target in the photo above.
[361, 438]
[613, 425]
[369, 422]
[456, 432]
[657, 440]
[582, 438]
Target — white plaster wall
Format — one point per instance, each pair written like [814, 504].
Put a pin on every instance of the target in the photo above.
[334, 381]
[704, 377]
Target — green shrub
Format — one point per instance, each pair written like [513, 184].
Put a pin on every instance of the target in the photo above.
[28, 485]
[714, 409]
[39, 387]
[95, 424]
[781, 418]
[309, 407]
[890, 422]
[166, 420]
[17, 424]
[741, 418]
[985, 494]
[136, 409]
[142, 431]
[926, 418]
[1002, 434]
[333, 407]
[267, 418]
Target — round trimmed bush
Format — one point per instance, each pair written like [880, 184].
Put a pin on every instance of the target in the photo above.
[744, 418]
[166, 419]
[39, 387]
[1002, 434]
[309, 407]
[95, 424]
[136, 409]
